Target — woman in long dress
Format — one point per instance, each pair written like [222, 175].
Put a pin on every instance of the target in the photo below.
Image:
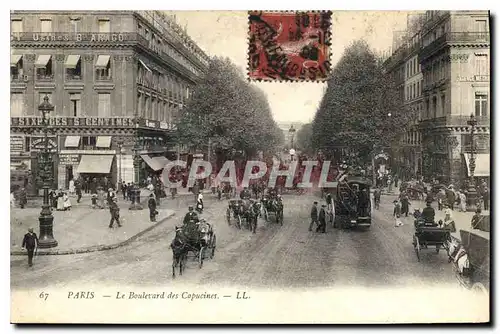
[72, 187]
[463, 201]
[60, 200]
[67, 202]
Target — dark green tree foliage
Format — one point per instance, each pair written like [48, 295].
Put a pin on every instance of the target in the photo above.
[304, 138]
[231, 112]
[354, 110]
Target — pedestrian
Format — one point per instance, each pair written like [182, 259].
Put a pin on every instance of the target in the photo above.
[110, 196]
[60, 200]
[30, 243]
[448, 220]
[100, 197]
[129, 191]
[397, 213]
[486, 197]
[389, 183]
[314, 215]
[152, 208]
[199, 203]
[114, 210]
[124, 190]
[196, 190]
[12, 200]
[94, 201]
[67, 202]
[396, 180]
[322, 220]
[23, 198]
[71, 187]
[376, 197]
[405, 203]
[463, 201]
[329, 201]
[450, 197]
[78, 189]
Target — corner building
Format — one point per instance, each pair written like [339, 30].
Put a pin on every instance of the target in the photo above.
[455, 64]
[117, 80]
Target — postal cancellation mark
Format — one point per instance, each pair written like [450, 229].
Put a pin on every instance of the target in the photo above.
[291, 46]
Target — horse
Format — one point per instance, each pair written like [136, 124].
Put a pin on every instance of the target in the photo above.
[179, 251]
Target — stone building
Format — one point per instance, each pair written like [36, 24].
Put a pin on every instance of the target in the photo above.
[443, 66]
[117, 80]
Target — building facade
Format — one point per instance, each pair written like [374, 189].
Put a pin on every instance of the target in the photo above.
[455, 64]
[443, 65]
[117, 80]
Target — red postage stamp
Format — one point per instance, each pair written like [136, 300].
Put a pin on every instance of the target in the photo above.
[291, 46]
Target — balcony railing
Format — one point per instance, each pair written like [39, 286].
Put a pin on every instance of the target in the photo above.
[454, 37]
[454, 120]
[44, 77]
[103, 77]
[73, 77]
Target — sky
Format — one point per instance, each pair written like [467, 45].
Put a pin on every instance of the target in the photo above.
[224, 33]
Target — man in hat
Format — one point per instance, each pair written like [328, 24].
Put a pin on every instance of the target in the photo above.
[314, 215]
[428, 213]
[152, 208]
[322, 220]
[30, 242]
[191, 215]
[114, 210]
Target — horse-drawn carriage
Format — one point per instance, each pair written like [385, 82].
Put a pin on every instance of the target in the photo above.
[471, 259]
[245, 212]
[414, 190]
[352, 203]
[195, 238]
[430, 234]
[272, 205]
[224, 189]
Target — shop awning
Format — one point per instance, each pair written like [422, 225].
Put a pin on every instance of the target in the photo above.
[42, 61]
[96, 164]
[144, 65]
[72, 61]
[102, 62]
[72, 141]
[14, 59]
[162, 161]
[154, 164]
[103, 141]
[482, 164]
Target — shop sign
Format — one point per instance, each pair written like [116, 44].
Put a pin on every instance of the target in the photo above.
[75, 37]
[166, 126]
[151, 124]
[16, 143]
[69, 159]
[38, 144]
[73, 121]
[382, 155]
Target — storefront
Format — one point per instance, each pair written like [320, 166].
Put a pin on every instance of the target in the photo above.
[482, 167]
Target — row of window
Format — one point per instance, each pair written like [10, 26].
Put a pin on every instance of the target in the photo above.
[414, 90]
[479, 26]
[481, 105]
[412, 67]
[16, 25]
[175, 87]
[147, 106]
[412, 138]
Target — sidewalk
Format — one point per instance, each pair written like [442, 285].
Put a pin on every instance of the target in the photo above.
[83, 229]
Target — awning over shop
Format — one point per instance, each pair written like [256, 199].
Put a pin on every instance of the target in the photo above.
[102, 62]
[14, 59]
[162, 161]
[42, 61]
[482, 164]
[103, 141]
[154, 164]
[145, 66]
[72, 61]
[72, 141]
[96, 164]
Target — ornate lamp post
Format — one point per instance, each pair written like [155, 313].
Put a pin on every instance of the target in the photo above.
[46, 219]
[292, 133]
[136, 191]
[471, 192]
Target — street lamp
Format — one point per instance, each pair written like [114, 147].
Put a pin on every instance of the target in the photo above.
[46, 219]
[471, 192]
[136, 190]
[292, 133]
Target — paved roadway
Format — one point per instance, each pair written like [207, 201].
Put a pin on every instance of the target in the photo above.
[285, 256]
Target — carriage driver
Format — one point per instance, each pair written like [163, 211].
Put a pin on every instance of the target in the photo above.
[245, 194]
[190, 216]
[428, 213]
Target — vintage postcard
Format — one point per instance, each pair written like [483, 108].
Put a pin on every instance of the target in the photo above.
[215, 167]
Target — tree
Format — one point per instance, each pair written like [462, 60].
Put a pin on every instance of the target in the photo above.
[304, 138]
[229, 111]
[362, 109]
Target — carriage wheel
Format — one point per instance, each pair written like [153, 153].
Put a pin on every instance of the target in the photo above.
[214, 244]
[416, 245]
[228, 216]
[200, 257]
[238, 221]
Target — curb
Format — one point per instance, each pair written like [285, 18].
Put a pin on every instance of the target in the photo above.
[97, 248]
